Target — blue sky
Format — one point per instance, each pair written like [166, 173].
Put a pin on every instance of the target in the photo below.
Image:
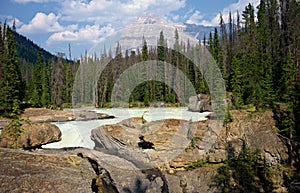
[53, 24]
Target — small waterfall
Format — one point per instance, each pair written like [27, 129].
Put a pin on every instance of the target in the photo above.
[198, 105]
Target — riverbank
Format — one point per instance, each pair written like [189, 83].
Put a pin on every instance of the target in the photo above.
[78, 133]
[187, 156]
[43, 115]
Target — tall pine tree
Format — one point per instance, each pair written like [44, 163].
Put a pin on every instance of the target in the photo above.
[37, 81]
[11, 84]
[145, 58]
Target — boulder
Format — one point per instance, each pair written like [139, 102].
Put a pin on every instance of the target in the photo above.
[127, 176]
[200, 103]
[30, 136]
[44, 171]
[168, 138]
[90, 115]
[43, 115]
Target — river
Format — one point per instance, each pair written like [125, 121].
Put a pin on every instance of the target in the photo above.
[77, 133]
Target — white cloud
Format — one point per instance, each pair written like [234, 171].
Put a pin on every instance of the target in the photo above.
[118, 12]
[233, 8]
[88, 34]
[240, 5]
[42, 23]
[195, 18]
[188, 13]
[99, 18]
[175, 17]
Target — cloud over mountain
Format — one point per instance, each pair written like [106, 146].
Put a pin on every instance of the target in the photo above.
[41, 23]
[91, 34]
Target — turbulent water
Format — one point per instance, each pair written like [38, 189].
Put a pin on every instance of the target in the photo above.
[77, 133]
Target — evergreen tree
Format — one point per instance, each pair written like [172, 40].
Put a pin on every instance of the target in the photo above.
[190, 65]
[58, 82]
[237, 81]
[176, 62]
[160, 88]
[1, 52]
[223, 61]
[253, 74]
[69, 82]
[210, 44]
[264, 57]
[145, 58]
[46, 88]
[216, 50]
[37, 81]
[229, 50]
[290, 96]
[11, 84]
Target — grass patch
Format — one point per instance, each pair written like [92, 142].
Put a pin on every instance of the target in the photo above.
[194, 141]
[199, 163]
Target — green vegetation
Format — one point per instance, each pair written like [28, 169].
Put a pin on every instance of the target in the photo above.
[14, 129]
[194, 141]
[10, 76]
[43, 81]
[157, 90]
[197, 164]
[228, 117]
[246, 172]
[259, 60]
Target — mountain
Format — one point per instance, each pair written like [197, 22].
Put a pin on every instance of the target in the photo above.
[198, 31]
[149, 27]
[27, 50]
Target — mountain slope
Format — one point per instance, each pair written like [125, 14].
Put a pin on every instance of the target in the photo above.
[198, 31]
[27, 50]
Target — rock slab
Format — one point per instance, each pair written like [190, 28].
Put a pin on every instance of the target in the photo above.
[31, 136]
[42, 171]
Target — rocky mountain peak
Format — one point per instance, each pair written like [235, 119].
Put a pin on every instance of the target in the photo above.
[150, 18]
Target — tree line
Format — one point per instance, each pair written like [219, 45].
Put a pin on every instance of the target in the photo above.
[45, 83]
[164, 79]
[259, 57]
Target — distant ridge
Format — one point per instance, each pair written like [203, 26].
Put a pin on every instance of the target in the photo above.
[27, 50]
[149, 26]
[199, 31]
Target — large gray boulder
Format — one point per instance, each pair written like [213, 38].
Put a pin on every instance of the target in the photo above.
[43, 171]
[43, 115]
[29, 135]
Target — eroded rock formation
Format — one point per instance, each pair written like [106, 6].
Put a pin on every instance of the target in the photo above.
[30, 135]
[118, 164]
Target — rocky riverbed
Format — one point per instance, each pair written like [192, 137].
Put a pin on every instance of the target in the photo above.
[139, 156]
